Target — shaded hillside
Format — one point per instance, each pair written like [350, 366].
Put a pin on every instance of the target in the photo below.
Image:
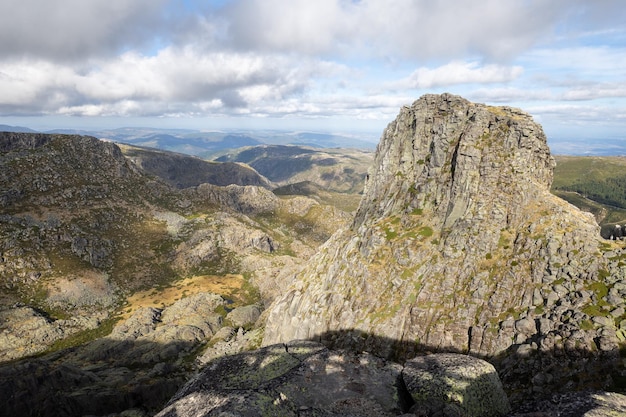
[183, 171]
[191, 143]
[458, 245]
[340, 170]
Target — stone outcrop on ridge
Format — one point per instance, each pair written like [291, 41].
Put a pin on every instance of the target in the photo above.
[458, 245]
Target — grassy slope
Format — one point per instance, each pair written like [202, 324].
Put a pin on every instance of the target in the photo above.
[574, 175]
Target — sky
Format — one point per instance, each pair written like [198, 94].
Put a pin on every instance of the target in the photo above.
[324, 65]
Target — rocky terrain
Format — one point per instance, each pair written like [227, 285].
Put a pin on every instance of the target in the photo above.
[138, 366]
[95, 255]
[83, 228]
[307, 379]
[459, 246]
[460, 287]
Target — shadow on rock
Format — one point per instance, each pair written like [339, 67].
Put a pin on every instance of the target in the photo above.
[530, 372]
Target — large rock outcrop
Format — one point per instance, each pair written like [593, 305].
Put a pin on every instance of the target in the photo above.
[458, 245]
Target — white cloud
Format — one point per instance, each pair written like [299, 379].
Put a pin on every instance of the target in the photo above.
[510, 95]
[578, 62]
[309, 59]
[458, 72]
[172, 79]
[399, 29]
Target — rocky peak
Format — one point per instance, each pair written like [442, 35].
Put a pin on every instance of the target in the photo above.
[451, 158]
[458, 245]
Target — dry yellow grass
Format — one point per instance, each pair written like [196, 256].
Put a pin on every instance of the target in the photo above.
[227, 286]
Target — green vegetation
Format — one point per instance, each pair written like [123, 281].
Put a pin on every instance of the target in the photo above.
[595, 311]
[85, 336]
[390, 233]
[594, 184]
[425, 231]
[586, 325]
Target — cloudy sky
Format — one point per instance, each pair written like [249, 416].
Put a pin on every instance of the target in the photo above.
[338, 65]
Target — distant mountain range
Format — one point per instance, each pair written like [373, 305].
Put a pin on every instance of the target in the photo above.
[208, 144]
[17, 129]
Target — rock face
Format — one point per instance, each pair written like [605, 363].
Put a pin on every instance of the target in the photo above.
[458, 245]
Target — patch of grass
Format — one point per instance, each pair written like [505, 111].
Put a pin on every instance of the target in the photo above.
[390, 234]
[85, 336]
[586, 325]
[406, 273]
[600, 289]
[425, 231]
[595, 311]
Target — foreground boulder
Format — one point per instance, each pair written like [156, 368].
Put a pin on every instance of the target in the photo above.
[303, 378]
[451, 385]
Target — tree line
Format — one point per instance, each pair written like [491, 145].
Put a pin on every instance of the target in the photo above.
[609, 191]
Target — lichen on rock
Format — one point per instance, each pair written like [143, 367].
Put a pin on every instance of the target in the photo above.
[455, 385]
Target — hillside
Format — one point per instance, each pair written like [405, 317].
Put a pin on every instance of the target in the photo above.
[341, 170]
[183, 171]
[123, 273]
[595, 184]
[119, 282]
[208, 144]
[331, 176]
[458, 245]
